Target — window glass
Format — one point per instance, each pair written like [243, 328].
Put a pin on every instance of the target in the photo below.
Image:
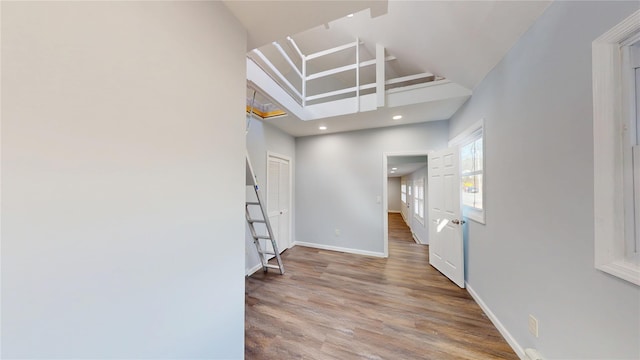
[471, 159]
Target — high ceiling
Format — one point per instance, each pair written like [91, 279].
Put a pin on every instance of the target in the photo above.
[458, 40]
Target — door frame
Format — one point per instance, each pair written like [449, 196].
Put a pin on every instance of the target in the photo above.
[385, 220]
[271, 154]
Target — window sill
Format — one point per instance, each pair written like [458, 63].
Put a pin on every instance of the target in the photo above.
[474, 214]
[622, 269]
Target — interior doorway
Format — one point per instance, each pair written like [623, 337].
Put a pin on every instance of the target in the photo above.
[409, 170]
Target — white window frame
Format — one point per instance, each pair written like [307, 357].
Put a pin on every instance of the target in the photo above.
[473, 133]
[612, 114]
[418, 202]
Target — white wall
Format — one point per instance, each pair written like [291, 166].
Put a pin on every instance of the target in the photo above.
[339, 177]
[122, 180]
[419, 229]
[261, 139]
[536, 253]
[394, 204]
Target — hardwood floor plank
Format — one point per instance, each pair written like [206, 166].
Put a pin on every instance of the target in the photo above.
[332, 305]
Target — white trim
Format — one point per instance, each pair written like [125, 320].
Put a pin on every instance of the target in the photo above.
[332, 93]
[380, 76]
[287, 58]
[496, 322]
[373, 61]
[295, 46]
[249, 272]
[473, 213]
[467, 133]
[610, 254]
[476, 129]
[340, 249]
[275, 71]
[329, 72]
[404, 219]
[417, 239]
[408, 78]
[394, 212]
[418, 86]
[333, 50]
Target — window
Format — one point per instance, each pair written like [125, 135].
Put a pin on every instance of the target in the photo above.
[471, 143]
[403, 191]
[631, 151]
[616, 95]
[418, 201]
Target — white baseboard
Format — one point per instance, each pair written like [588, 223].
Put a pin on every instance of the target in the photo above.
[393, 211]
[404, 218]
[253, 269]
[505, 333]
[340, 249]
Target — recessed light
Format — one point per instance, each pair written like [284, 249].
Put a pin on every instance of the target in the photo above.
[350, 15]
[397, 117]
[394, 168]
[393, 172]
[322, 127]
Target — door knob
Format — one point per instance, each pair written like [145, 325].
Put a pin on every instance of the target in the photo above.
[458, 222]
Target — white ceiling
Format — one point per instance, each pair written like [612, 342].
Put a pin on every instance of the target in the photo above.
[405, 165]
[459, 40]
[268, 20]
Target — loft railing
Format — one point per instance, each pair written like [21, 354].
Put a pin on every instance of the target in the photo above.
[302, 77]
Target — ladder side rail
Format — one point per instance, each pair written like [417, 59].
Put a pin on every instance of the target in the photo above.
[263, 260]
[269, 229]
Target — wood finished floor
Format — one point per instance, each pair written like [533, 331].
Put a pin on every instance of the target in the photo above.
[332, 305]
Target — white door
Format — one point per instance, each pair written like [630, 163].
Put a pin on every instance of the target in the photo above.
[446, 251]
[408, 207]
[278, 199]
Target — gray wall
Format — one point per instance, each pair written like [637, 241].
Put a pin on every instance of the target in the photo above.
[419, 230]
[122, 180]
[393, 194]
[262, 138]
[339, 177]
[536, 253]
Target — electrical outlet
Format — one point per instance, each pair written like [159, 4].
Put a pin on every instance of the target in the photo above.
[337, 232]
[533, 325]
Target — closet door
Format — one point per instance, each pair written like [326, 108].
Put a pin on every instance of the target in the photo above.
[279, 198]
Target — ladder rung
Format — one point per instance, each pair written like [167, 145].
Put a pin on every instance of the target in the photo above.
[262, 237]
[273, 266]
[256, 221]
[267, 253]
[253, 203]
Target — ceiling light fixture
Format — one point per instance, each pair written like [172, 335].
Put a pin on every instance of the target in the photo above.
[393, 172]
[322, 127]
[394, 168]
[350, 15]
[397, 117]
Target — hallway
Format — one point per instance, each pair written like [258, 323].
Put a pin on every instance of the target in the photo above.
[332, 305]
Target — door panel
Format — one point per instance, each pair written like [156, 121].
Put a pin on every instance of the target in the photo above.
[446, 251]
[279, 199]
